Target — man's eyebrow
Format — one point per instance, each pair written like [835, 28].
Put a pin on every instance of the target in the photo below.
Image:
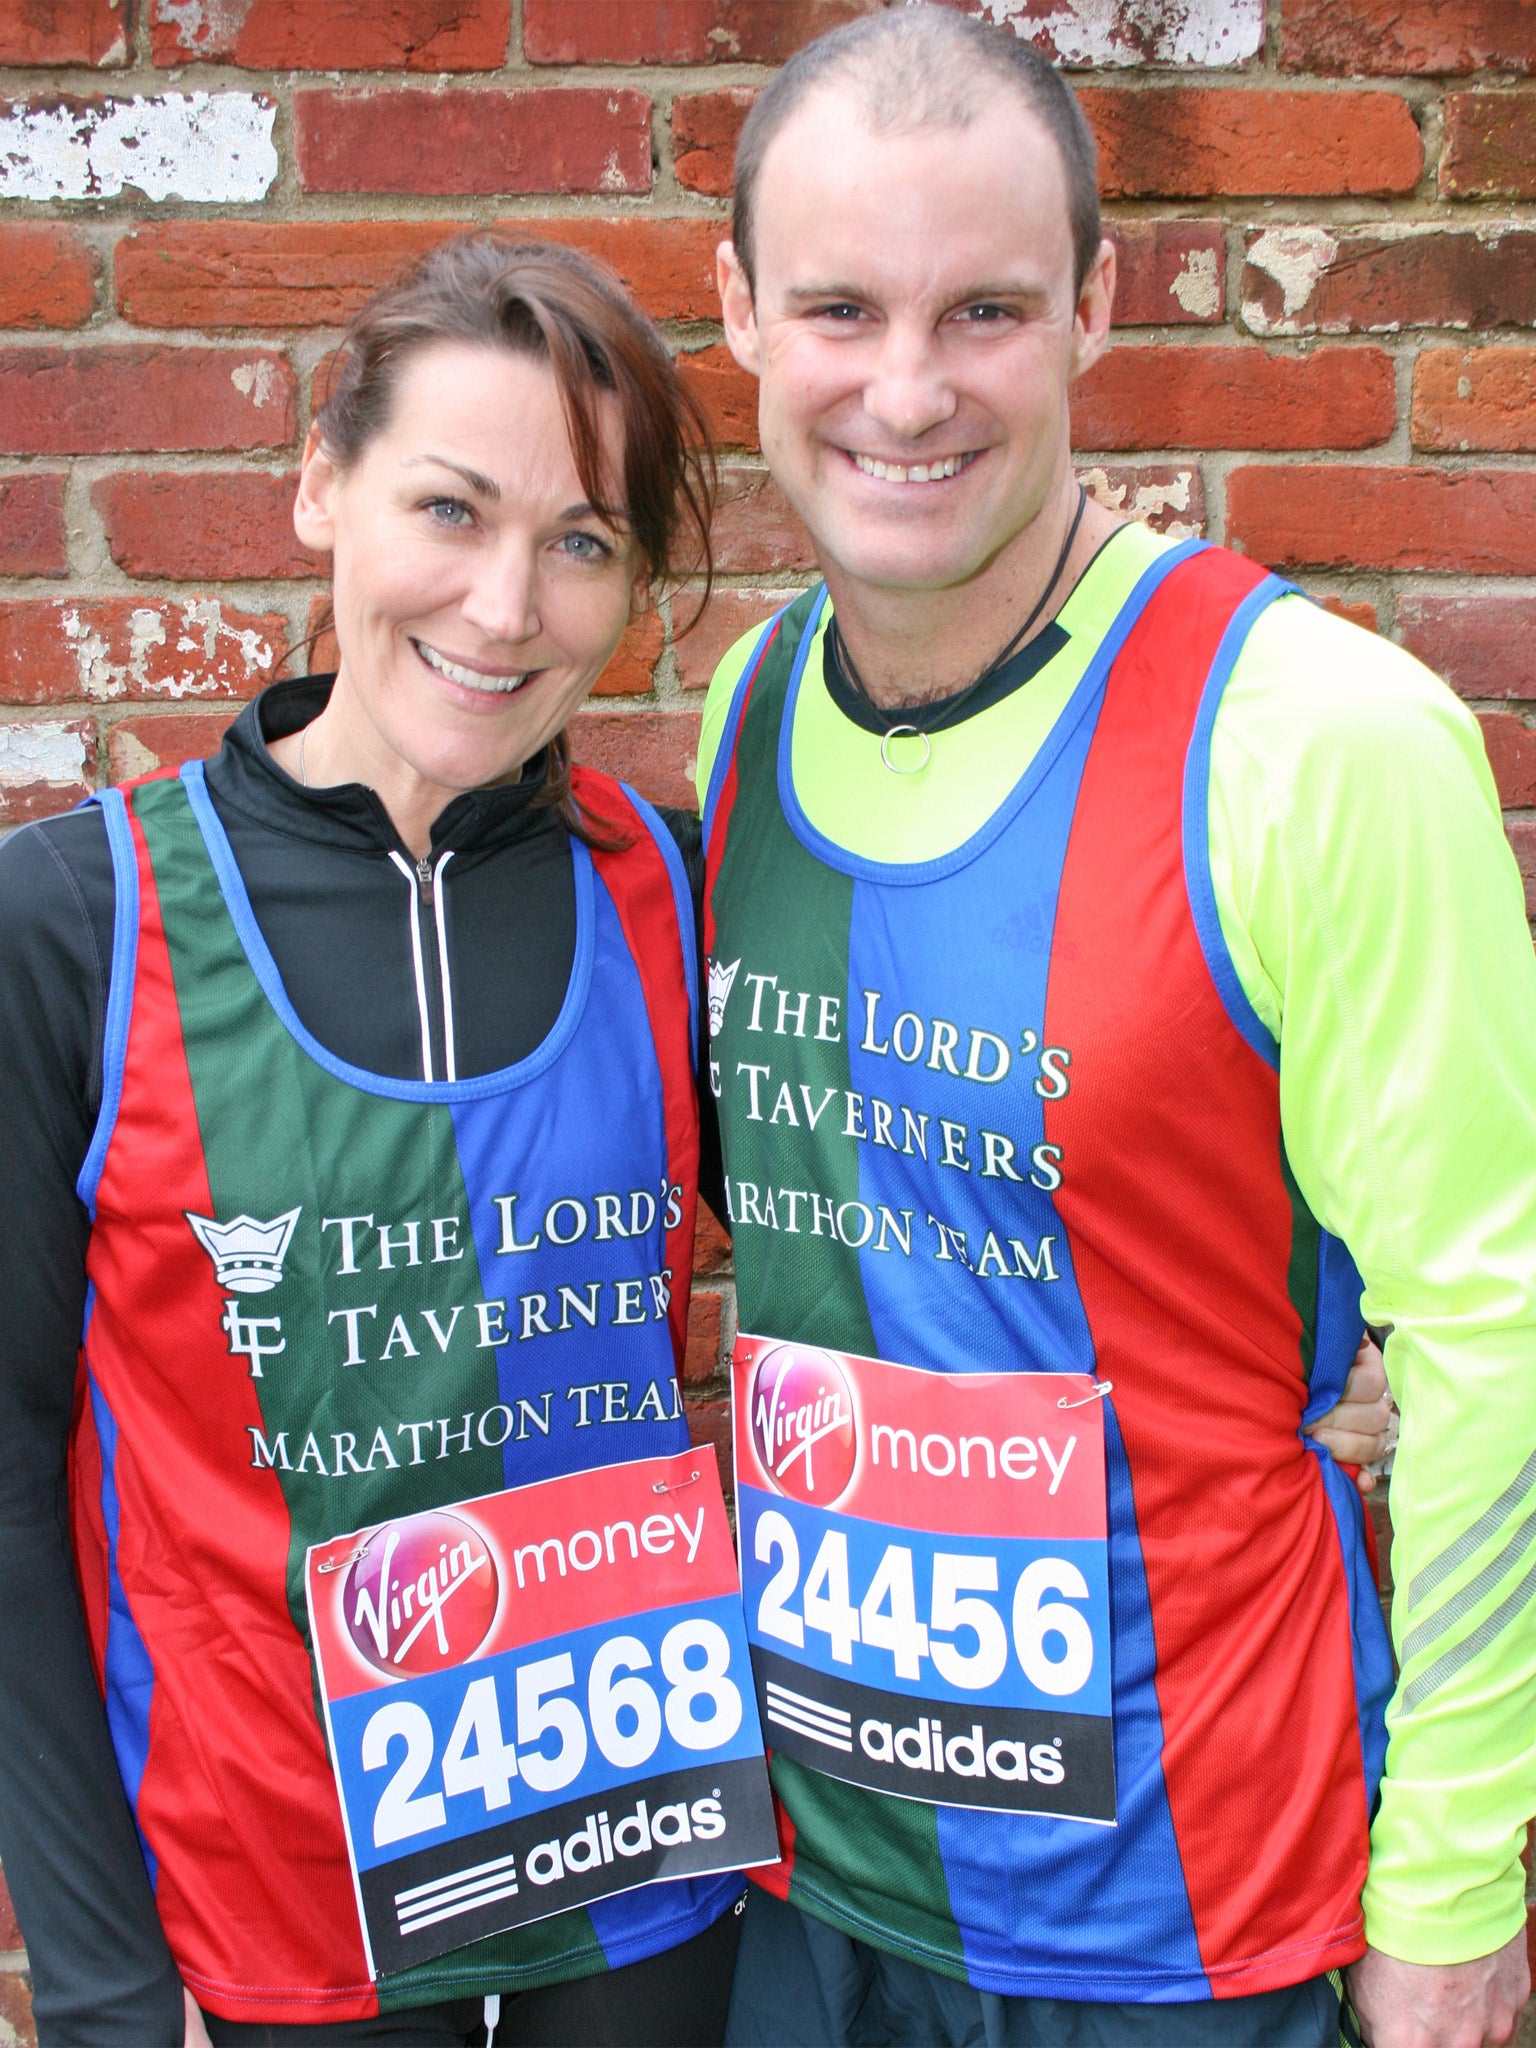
[1009, 288]
[485, 486]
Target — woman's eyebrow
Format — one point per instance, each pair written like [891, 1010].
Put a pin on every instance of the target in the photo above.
[486, 486]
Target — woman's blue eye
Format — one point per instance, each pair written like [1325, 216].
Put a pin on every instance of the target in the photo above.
[586, 547]
[448, 511]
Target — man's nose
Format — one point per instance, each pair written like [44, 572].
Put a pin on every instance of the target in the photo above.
[909, 393]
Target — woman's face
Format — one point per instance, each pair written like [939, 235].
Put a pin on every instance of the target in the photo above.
[477, 594]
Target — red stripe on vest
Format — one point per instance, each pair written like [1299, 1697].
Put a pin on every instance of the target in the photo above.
[274, 1826]
[1166, 1095]
[640, 888]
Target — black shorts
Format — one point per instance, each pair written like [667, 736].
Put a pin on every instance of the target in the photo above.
[802, 1984]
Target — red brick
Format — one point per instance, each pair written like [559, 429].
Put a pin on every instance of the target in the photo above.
[1521, 834]
[1167, 496]
[667, 265]
[730, 614]
[1170, 272]
[632, 671]
[460, 143]
[16, 2009]
[1511, 745]
[44, 769]
[138, 746]
[1484, 646]
[679, 31]
[1165, 396]
[191, 528]
[97, 401]
[701, 1359]
[1358, 614]
[1490, 145]
[1475, 398]
[32, 537]
[47, 277]
[54, 650]
[1410, 37]
[1190, 142]
[264, 274]
[711, 1246]
[317, 654]
[1381, 282]
[340, 35]
[655, 750]
[64, 31]
[726, 391]
[755, 532]
[10, 1933]
[1322, 516]
[709, 1422]
[705, 127]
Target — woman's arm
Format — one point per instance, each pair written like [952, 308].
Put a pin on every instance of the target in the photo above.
[102, 1974]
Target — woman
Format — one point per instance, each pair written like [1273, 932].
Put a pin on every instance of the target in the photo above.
[305, 1050]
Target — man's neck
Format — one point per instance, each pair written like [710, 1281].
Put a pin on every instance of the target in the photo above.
[916, 646]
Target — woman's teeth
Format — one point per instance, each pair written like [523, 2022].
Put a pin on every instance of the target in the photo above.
[912, 472]
[471, 678]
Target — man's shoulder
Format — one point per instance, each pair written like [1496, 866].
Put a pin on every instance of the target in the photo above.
[1308, 681]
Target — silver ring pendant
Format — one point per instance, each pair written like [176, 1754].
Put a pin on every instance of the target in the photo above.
[903, 732]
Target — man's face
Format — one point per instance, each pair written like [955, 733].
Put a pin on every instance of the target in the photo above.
[915, 330]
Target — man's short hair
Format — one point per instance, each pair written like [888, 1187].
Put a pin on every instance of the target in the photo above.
[924, 67]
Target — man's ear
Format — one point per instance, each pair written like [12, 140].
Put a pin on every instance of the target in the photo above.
[737, 310]
[1095, 304]
[314, 519]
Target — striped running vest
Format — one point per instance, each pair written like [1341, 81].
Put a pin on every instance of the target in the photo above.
[1009, 1109]
[319, 1299]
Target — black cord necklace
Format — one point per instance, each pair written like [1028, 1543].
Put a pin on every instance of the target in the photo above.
[913, 720]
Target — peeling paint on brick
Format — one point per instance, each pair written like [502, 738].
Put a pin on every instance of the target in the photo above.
[255, 381]
[204, 28]
[1125, 32]
[1198, 285]
[1155, 499]
[1295, 258]
[209, 148]
[202, 627]
[46, 752]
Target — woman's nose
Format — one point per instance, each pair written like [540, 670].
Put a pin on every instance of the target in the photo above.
[502, 601]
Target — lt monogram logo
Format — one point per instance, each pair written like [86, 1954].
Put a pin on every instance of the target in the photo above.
[248, 1259]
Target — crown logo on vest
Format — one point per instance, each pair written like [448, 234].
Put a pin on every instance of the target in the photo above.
[720, 979]
[247, 1256]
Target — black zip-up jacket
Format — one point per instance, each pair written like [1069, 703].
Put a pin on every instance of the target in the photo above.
[378, 953]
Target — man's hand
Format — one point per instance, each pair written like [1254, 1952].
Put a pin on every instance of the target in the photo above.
[1440, 2005]
[196, 2034]
[1359, 1431]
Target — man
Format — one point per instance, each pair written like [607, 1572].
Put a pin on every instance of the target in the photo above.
[1224, 880]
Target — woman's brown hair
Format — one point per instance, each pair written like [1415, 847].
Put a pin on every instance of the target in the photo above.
[543, 300]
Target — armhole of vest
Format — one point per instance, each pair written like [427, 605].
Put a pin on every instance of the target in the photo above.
[725, 752]
[125, 959]
[1197, 826]
[682, 900]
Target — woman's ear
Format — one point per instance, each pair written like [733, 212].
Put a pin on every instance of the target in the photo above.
[314, 519]
[640, 595]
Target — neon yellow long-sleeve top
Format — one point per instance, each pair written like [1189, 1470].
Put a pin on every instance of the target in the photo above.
[1375, 919]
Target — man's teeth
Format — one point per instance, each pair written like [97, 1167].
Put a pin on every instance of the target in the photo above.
[912, 472]
[471, 678]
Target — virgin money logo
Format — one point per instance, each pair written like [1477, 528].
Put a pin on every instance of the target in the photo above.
[421, 1594]
[802, 1423]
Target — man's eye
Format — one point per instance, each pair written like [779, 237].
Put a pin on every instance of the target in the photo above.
[842, 310]
[983, 314]
[448, 511]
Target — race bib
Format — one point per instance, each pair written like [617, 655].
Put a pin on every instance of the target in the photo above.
[924, 1565]
[537, 1699]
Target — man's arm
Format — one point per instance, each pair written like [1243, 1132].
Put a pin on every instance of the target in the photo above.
[1376, 920]
[101, 1971]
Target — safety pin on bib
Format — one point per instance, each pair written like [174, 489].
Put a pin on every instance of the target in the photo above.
[663, 1486]
[1100, 1390]
[340, 1564]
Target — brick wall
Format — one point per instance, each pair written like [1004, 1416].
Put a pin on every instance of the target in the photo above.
[1325, 354]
